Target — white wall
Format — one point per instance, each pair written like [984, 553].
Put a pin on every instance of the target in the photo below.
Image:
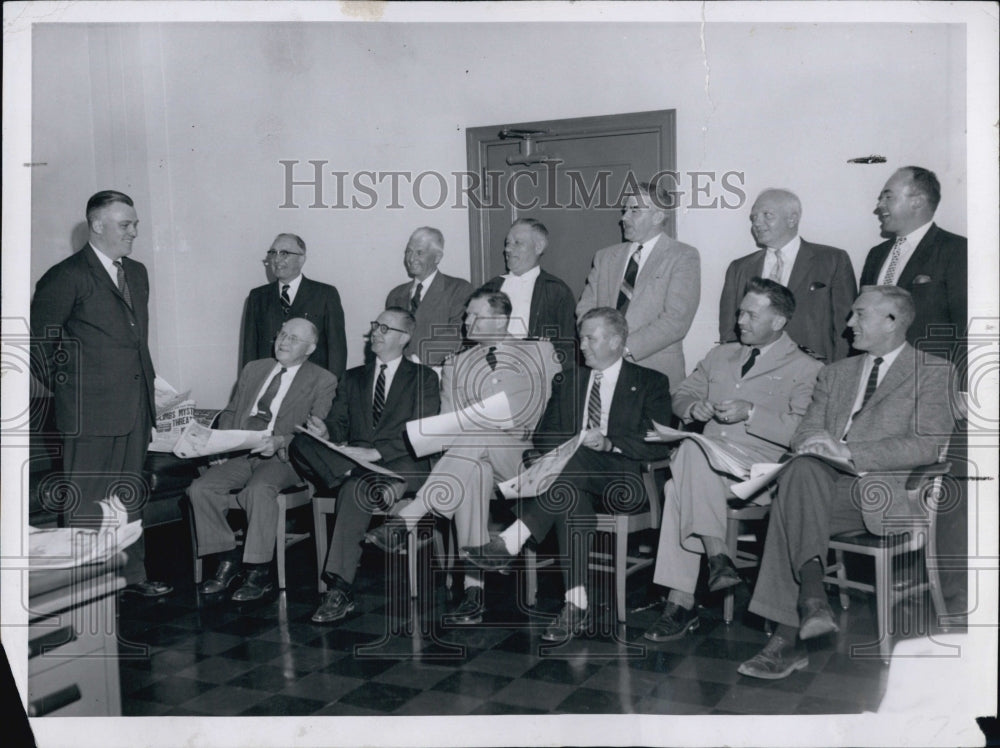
[193, 119]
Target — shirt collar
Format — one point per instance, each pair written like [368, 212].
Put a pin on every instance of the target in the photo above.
[612, 371]
[106, 261]
[646, 245]
[293, 285]
[528, 277]
[765, 348]
[887, 358]
[390, 366]
[424, 284]
[789, 249]
[915, 236]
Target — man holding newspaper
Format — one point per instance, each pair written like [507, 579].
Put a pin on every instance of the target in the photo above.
[750, 396]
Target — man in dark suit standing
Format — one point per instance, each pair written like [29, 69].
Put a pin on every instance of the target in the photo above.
[293, 295]
[885, 413]
[436, 301]
[820, 277]
[543, 304]
[932, 264]
[90, 319]
[272, 395]
[613, 403]
[370, 412]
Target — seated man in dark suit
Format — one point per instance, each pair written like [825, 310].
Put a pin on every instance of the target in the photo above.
[614, 403]
[886, 413]
[293, 295]
[543, 306]
[273, 396]
[436, 301]
[370, 412]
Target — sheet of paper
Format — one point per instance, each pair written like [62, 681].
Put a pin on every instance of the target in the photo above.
[727, 458]
[538, 478]
[198, 441]
[477, 422]
[166, 397]
[69, 547]
[763, 473]
[363, 463]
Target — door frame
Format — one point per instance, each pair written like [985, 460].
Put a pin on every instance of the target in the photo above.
[477, 139]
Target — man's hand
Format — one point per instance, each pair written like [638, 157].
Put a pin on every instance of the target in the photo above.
[825, 446]
[269, 445]
[362, 453]
[732, 411]
[594, 439]
[317, 427]
[702, 410]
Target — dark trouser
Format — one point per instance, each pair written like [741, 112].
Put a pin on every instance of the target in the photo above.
[590, 481]
[953, 527]
[813, 503]
[360, 495]
[102, 466]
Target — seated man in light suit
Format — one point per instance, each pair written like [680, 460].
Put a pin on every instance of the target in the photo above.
[369, 414]
[886, 413]
[653, 279]
[613, 403]
[751, 396]
[462, 482]
[273, 396]
[436, 301]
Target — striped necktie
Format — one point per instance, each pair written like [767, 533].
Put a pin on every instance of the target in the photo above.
[594, 403]
[628, 282]
[123, 283]
[286, 300]
[890, 272]
[778, 268]
[378, 401]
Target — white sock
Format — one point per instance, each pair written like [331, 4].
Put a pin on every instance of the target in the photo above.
[578, 596]
[515, 536]
[473, 579]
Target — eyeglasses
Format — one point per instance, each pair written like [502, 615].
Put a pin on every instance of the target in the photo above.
[293, 339]
[281, 254]
[384, 328]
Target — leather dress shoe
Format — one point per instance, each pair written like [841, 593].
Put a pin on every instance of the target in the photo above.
[722, 573]
[148, 588]
[675, 621]
[815, 618]
[571, 621]
[778, 659]
[389, 537]
[225, 575]
[470, 610]
[256, 584]
[492, 557]
[336, 605]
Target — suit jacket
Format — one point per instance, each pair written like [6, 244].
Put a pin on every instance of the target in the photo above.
[663, 304]
[310, 394]
[439, 316]
[551, 313]
[641, 396]
[318, 302]
[822, 280]
[95, 349]
[780, 386]
[937, 276]
[904, 425]
[413, 394]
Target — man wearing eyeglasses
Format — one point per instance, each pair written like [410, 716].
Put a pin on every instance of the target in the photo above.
[293, 295]
[654, 280]
[272, 395]
[369, 416]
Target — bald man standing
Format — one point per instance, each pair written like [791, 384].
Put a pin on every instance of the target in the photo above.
[821, 278]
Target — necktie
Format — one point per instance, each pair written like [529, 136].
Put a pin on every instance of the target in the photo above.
[890, 272]
[491, 358]
[778, 266]
[262, 419]
[415, 299]
[628, 282]
[123, 284]
[872, 383]
[748, 364]
[378, 402]
[286, 300]
[594, 403]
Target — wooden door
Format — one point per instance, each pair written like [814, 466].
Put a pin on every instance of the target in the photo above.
[569, 174]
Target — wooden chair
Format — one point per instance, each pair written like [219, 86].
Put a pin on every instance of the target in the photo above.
[735, 517]
[910, 535]
[288, 498]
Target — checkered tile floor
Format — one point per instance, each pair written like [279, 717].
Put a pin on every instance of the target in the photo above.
[394, 656]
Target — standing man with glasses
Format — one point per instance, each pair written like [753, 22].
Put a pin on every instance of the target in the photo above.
[654, 280]
[293, 295]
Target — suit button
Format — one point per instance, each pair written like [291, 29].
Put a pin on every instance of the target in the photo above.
[737, 385]
[136, 377]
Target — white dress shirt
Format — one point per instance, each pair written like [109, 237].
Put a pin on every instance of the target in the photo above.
[866, 370]
[286, 383]
[520, 289]
[424, 285]
[647, 247]
[390, 371]
[788, 254]
[108, 264]
[609, 380]
[293, 287]
[905, 253]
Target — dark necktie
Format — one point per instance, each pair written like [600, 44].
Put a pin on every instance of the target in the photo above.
[415, 300]
[491, 358]
[123, 284]
[286, 300]
[872, 383]
[748, 364]
[262, 419]
[628, 282]
[378, 402]
[594, 403]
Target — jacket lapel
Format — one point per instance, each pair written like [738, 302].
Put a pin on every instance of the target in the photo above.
[654, 263]
[800, 268]
[773, 359]
[622, 401]
[899, 372]
[919, 257]
[404, 376]
[302, 296]
[843, 399]
[537, 292]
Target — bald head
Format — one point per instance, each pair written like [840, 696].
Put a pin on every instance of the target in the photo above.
[774, 218]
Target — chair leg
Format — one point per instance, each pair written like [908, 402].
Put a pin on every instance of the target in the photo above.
[845, 599]
[322, 542]
[411, 560]
[531, 576]
[279, 545]
[934, 576]
[196, 559]
[883, 609]
[732, 547]
[621, 563]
